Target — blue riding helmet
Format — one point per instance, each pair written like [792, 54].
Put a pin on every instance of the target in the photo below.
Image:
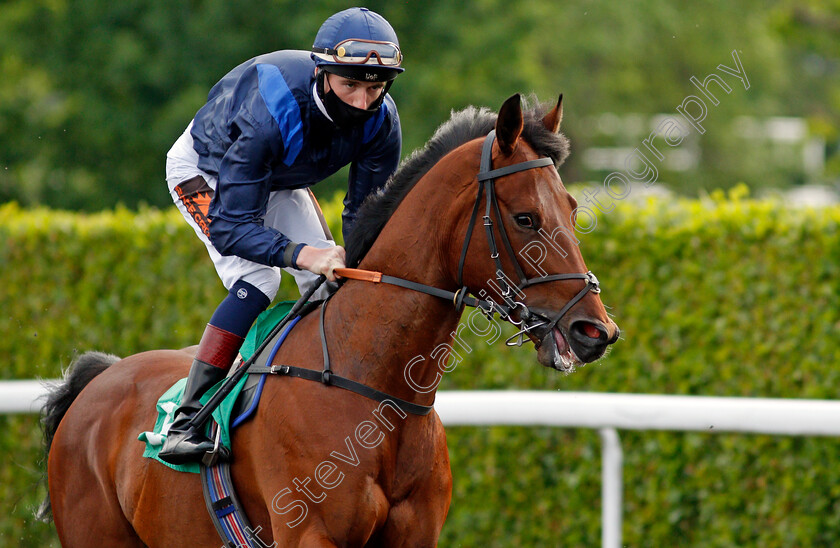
[359, 44]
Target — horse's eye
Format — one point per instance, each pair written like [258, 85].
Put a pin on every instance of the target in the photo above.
[525, 220]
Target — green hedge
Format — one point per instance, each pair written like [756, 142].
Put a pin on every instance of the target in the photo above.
[724, 296]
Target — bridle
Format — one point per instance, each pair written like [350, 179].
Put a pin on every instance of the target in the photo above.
[528, 320]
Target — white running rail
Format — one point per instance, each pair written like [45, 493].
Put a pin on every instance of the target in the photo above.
[603, 412]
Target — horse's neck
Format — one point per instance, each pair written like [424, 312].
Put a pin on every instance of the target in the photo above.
[389, 338]
[389, 335]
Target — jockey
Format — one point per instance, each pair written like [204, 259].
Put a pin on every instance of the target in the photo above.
[272, 127]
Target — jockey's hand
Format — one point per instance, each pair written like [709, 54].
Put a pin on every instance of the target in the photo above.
[321, 260]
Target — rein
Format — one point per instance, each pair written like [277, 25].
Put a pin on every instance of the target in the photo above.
[460, 298]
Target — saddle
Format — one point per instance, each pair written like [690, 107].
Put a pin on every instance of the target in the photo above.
[244, 386]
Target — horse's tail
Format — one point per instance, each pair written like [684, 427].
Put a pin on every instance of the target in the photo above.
[59, 398]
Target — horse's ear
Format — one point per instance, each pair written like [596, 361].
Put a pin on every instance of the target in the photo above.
[552, 119]
[509, 124]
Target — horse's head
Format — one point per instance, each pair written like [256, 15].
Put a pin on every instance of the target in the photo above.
[518, 246]
[506, 236]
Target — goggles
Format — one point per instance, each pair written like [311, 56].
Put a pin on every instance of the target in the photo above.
[356, 51]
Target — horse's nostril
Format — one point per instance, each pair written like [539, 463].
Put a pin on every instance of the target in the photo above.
[590, 330]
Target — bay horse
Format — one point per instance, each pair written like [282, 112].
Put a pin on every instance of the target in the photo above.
[318, 466]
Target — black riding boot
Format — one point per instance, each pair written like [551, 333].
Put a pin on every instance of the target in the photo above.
[215, 355]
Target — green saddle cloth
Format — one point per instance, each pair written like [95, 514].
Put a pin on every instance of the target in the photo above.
[266, 321]
[168, 403]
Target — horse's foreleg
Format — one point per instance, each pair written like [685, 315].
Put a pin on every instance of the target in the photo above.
[416, 522]
[316, 540]
[412, 525]
[312, 537]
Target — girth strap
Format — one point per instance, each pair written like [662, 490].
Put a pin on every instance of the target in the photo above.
[225, 509]
[341, 382]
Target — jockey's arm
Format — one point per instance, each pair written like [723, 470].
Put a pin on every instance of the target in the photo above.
[241, 198]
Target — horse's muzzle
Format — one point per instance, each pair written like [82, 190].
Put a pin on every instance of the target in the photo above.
[564, 347]
[555, 351]
[590, 339]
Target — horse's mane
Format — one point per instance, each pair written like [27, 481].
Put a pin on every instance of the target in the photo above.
[462, 126]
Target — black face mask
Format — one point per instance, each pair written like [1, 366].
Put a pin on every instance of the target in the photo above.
[342, 114]
[345, 115]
